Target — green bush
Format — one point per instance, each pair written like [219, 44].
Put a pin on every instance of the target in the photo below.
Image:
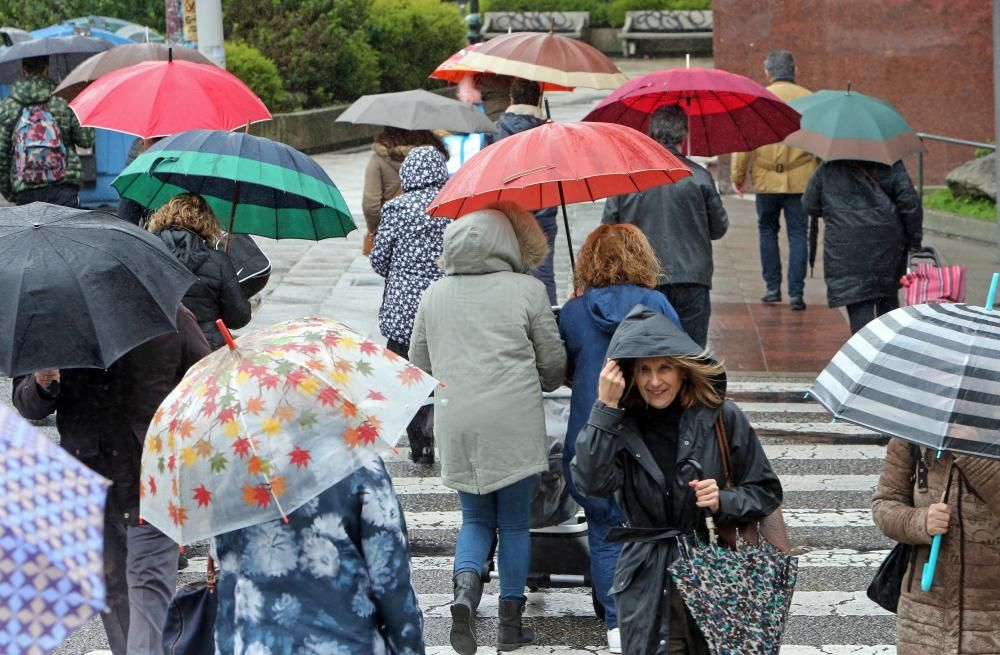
[320, 60]
[603, 13]
[412, 37]
[257, 72]
[33, 15]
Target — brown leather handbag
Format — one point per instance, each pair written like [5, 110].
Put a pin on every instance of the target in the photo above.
[369, 243]
[772, 527]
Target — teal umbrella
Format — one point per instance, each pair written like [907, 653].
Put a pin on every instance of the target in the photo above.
[851, 125]
[254, 185]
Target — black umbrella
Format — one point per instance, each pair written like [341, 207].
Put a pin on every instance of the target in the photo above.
[79, 289]
[64, 52]
[813, 242]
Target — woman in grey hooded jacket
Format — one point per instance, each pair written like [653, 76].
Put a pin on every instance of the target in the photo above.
[487, 333]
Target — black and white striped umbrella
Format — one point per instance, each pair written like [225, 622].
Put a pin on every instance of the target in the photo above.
[929, 374]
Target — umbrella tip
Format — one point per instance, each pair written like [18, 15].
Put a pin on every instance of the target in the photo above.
[226, 334]
[848, 86]
[170, 54]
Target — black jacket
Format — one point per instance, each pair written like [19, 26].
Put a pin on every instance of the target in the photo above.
[872, 215]
[612, 459]
[102, 415]
[217, 293]
[680, 220]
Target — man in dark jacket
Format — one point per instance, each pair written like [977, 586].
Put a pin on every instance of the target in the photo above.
[30, 100]
[102, 417]
[523, 114]
[680, 220]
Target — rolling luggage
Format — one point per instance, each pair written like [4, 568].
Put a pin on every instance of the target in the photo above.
[930, 281]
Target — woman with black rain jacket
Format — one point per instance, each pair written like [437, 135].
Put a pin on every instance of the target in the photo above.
[659, 397]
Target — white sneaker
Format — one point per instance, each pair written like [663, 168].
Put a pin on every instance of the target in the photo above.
[614, 641]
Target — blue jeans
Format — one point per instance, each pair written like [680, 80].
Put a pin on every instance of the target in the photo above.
[693, 305]
[546, 270]
[505, 513]
[769, 207]
[602, 515]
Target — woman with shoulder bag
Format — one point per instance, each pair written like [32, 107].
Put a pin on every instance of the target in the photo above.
[960, 499]
[660, 397]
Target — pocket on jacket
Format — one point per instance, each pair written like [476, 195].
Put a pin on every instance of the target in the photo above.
[626, 573]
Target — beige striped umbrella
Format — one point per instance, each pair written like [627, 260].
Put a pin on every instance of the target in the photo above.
[546, 57]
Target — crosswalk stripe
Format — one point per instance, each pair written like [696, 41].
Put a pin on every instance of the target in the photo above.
[554, 603]
[794, 518]
[837, 557]
[813, 428]
[839, 649]
[782, 408]
[406, 486]
[773, 452]
[747, 386]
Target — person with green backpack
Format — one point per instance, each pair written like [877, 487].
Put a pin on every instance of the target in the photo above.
[39, 134]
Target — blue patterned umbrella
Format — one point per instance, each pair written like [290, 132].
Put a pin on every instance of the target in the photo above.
[51, 540]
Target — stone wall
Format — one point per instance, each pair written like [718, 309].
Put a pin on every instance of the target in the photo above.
[933, 59]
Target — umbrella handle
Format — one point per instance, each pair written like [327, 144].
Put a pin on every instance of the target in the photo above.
[226, 334]
[927, 578]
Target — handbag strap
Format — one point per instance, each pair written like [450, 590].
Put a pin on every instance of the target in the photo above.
[724, 452]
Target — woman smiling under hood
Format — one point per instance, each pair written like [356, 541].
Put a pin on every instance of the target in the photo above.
[659, 397]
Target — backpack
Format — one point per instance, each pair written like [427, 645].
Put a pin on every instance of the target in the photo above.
[39, 152]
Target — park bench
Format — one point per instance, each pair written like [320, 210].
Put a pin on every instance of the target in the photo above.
[565, 23]
[693, 28]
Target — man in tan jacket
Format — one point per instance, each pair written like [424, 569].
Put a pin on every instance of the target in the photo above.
[779, 175]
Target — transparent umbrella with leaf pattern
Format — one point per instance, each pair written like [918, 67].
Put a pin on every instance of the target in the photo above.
[257, 430]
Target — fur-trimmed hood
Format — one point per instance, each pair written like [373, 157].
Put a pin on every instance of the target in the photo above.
[491, 240]
[394, 154]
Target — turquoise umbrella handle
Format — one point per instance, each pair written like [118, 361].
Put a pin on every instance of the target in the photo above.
[927, 579]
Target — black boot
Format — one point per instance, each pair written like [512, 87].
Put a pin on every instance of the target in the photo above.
[468, 593]
[511, 635]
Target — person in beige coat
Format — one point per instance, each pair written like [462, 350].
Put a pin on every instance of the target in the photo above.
[389, 149]
[961, 612]
[486, 331]
[779, 175]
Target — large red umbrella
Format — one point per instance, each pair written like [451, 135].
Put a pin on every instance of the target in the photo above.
[726, 112]
[161, 98]
[547, 58]
[555, 164]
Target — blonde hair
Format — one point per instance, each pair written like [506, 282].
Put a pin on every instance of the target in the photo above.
[187, 211]
[699, 376]
[616, 254]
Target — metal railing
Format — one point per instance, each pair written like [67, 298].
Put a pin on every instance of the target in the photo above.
[923, 136]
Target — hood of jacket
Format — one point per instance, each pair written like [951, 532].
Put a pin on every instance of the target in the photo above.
[647, 333]
[519, 118]
[493, 240]
[33, 89]
[608, 306]
[393, 154]
[189, 248]
[424, 167]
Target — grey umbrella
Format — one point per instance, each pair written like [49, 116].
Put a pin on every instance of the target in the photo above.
[64, 52]
[417, 110]
[12, 35]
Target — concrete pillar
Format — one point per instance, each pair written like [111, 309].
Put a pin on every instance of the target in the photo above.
[210, 40]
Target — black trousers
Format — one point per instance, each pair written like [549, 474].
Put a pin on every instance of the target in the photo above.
[861, 313]
[66, 195]
[420, 431]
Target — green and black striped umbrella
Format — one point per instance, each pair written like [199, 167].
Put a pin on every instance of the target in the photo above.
[851, 125]
[254, 185]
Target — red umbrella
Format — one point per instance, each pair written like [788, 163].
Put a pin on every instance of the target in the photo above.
[726, 112]
[555, 164]
[161, 98]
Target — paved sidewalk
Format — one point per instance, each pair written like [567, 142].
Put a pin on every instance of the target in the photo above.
[331, 278]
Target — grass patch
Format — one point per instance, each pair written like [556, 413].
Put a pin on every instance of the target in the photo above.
[942, 200]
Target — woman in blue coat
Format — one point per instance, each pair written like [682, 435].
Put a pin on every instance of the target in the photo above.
[615, 271]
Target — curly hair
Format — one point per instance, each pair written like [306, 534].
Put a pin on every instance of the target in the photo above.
[616, 254]
[699, 376]
[187, 211]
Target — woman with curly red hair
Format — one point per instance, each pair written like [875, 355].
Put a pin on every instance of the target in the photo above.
[615, 271]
